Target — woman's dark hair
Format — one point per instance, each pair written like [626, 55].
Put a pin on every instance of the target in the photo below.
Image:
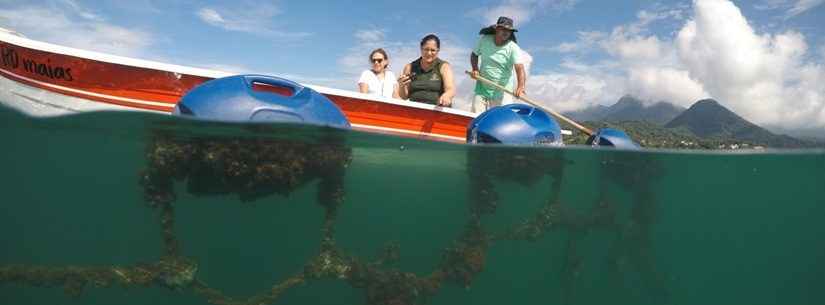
[431, 37]
[379, 51]
[491, 30]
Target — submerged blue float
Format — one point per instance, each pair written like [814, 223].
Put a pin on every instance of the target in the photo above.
[260, 98]
[515, 124]
[612, 138]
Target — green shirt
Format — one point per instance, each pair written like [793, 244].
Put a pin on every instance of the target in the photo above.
[496, 64]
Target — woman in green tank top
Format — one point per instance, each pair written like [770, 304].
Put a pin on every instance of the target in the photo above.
[428, 79]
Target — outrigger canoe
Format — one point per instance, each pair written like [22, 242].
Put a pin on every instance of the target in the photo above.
[43, 79]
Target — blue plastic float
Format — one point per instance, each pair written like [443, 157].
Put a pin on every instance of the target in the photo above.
[515, 124]
[259, 98]
[609, 137]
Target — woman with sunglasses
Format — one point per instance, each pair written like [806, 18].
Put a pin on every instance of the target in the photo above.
[428, 79]
[378, 80]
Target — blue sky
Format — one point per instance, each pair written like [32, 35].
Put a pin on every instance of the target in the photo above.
[765, 59]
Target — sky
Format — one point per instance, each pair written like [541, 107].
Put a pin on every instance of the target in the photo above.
[763, 59]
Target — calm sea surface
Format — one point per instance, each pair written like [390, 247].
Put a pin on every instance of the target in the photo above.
[491, 225]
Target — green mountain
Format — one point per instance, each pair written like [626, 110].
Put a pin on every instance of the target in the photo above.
[814, 134]
[705, 125]
[628, 108]
[592, 113]
[707, 119]
[650, 135]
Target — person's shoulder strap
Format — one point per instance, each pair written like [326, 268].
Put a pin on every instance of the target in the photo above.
[415, 66]
[437, 64]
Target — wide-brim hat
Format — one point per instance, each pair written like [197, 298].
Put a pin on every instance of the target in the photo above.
[505, 22]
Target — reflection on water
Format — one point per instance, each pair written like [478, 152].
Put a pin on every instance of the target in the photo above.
[135, 208]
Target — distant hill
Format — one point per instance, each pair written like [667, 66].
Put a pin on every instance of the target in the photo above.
[628, 108]
[707, 119]
[592, 113]
[705, 125]
[814, 134]
[650, 135]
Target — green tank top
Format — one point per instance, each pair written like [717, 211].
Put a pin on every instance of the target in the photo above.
[426, 86]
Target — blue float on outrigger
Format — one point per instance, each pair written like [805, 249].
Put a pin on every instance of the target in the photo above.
[519, 124]
[260, 98]
[515, 124]
[530, 126]
[612, 138]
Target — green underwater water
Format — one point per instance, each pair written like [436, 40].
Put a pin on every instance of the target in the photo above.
[689, 227]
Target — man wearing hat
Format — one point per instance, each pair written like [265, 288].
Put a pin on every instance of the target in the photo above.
[499, 54]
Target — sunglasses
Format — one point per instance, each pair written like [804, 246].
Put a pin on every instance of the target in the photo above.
[377, 60]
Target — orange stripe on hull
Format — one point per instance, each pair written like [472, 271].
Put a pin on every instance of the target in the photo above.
[401, 117]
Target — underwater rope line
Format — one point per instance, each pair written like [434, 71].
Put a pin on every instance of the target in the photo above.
[253, 168]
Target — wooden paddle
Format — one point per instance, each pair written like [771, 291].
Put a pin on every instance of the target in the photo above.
[527, 100]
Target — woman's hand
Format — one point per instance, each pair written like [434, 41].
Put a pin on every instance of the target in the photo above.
[404, 80]
[445, 101]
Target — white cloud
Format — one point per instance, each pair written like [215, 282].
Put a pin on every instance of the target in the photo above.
[635, 48]
[646, 17]
[587, 40]
[633, 40]
[566, 47]
[584, 84]
[771, 4]
[521, 14]
[521, 11]
[82, 12]
[803, 5]
[249, 17]
[370, 35]
[640, 64]
[792, 8]
[211, 16]
[768, 78]
[71, 25]
[662, 83]
[764, 78]
[572, 91]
